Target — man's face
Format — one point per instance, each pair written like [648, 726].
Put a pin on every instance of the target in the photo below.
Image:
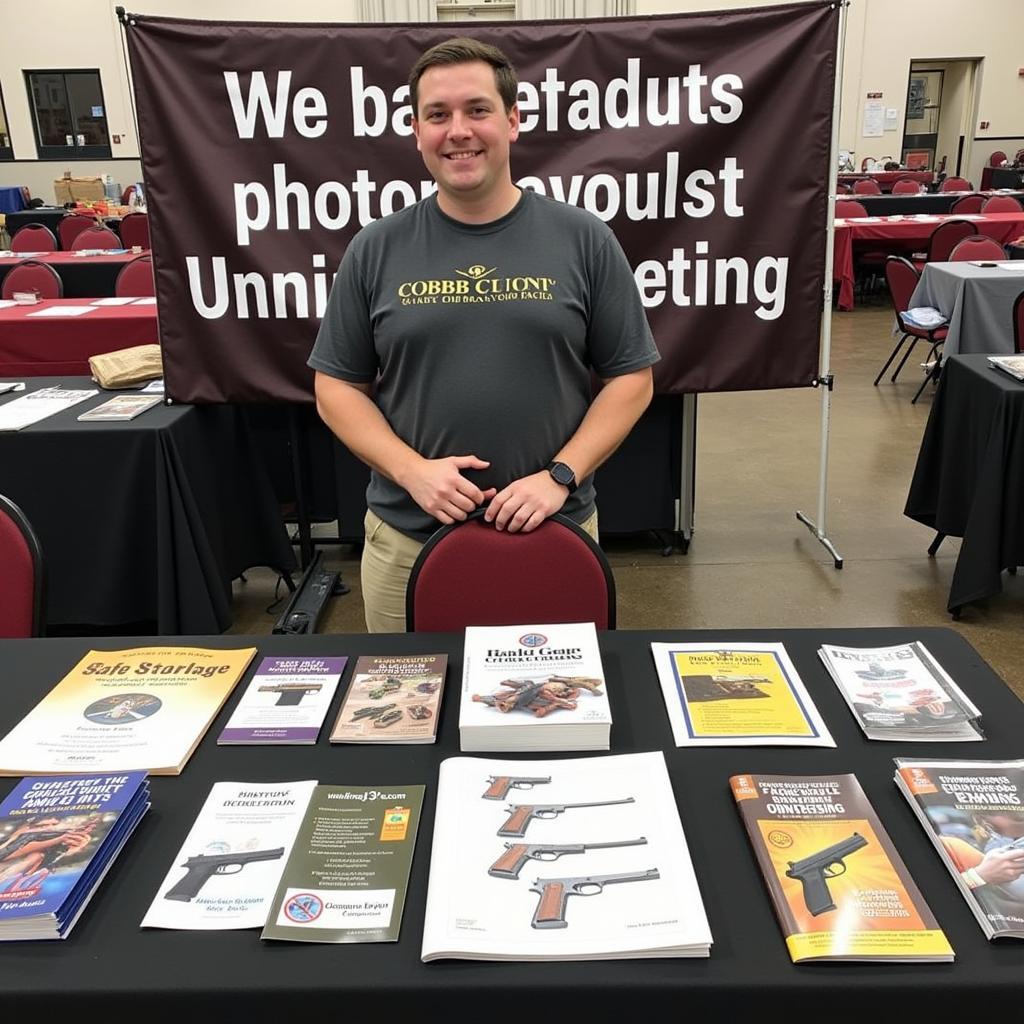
[463, 130]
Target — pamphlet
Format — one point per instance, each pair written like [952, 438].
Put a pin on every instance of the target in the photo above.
[1013, 365]
[38, 405]
[286, 702]
[737, 694]
[392, 699]
[121, 407]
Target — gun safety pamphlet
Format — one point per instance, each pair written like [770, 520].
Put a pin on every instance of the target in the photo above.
[227, 870]
[392, 699]
[348, 872]
[144, 709]
[901, 693]
[973, 812]
[745, 694]
[839, 888]
[58, 837]
[578, 859]
[533, 688]
[286, 701]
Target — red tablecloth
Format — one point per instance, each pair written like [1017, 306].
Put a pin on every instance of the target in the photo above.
[886, 179]
[42, 346]
[899, 234]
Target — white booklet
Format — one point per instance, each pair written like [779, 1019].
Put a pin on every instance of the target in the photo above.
[38, 405]
[1013, 365]
[226, 872]
[508, 879]
[736, 694]
[121, 407]
[533, 688]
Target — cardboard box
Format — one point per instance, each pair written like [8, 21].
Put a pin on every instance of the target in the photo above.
[71, 190]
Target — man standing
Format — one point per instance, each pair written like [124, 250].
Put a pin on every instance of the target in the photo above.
[454, 357]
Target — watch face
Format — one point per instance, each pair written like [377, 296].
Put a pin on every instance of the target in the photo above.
[563, 474]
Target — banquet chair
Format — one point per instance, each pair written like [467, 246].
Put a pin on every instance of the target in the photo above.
[968, 204]
[842, 189]
[136, 278]
[96, 238]
[34, 238]
[906, 186]
[866, 187]
[850, 208]
[997, 158]
[22, 583]
[977, 247]
[901, 276]
[33, 276]
[70, 227]
[1018, 323]
[135, 230]
[471, 574]
[942, 240]
[955, 184]
[867, 162]
[1002, 204]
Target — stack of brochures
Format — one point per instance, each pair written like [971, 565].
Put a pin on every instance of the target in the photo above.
[973, 812]
[533, 688]
[901, 693]
[58, 837]
[1013, 365]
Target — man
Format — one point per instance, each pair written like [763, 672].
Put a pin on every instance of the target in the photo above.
[474, 319]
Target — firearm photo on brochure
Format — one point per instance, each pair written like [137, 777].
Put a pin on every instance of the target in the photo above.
[582, 859]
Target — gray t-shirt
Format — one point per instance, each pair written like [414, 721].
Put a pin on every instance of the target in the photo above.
[481, 337]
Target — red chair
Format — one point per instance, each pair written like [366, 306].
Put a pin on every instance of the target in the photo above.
[866, 187]
[23, 589]
[96, 238]
[956, 185]
[135, 230]
[1018, 323]
[1002, 204]
[842, 189]
[1019, 157]
[997, 158]
[968, 204]
[901, 277]
[944, 237]
[850, 208]
[977, 247]
[69, 228]
[136, 278]
[32, 276]
[126, 195]
[906, 187]
[470, 574]
[34, 238]
[867, 162]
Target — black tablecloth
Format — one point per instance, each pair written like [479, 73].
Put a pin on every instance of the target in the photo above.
[91, 278]
[111, 968]
[1007, 177]
[144, 521]
[969, 478]
[51, 216]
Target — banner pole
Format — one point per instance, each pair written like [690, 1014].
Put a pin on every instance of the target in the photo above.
[825, 379]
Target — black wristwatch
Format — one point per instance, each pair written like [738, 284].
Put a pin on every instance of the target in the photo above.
[562, 474]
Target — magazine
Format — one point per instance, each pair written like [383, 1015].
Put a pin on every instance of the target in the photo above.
[901, 693]
[838, 886]
[973, 812]
[738, 694]
[121, 407]
[505, 874]
[1013, 365]
[533, 688]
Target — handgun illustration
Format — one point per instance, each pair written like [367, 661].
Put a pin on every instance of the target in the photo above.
[520, 815]
[813, 872]
[200, 868]
[291, 694]
[555, 892]
[510, 863]
[501, 784]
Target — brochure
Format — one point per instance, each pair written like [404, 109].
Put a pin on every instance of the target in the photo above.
[286, 701]
[742, 694]
[144, 709]
[38, 405]
[392, 699]
[348, 872]
[121, 407]
[1013, 365]
[504, 877]
[533, 688]
[973, 812]
[838, 885]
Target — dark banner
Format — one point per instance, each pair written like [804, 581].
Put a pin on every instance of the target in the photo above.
[702, 139]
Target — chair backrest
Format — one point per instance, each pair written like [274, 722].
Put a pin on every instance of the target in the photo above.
[96, 238]
[470, 574]
[977, 247]
[945, 236]
[868, 163]
[1019, 157]
[901, 278]
[70, 227]
[956, 185]
[126, 195]
[136, 278]
[135, 230]
[32, 276]
[968, 204]
[906, 186]
[842, 189]
[850, 208]
[1018, 323]
[997, 158]
[866, 187]
[1002, 204]
[34, 238]
[22, 583]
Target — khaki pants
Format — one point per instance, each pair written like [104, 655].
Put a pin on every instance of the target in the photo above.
[388, 557]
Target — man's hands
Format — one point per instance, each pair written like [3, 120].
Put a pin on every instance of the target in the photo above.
[1004, 864]
[525, 503]
[440, 489]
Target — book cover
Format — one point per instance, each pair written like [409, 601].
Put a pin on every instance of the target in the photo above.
[121, 407]
[347, 875]
[143, 709]
[839, 887]
[392, 699]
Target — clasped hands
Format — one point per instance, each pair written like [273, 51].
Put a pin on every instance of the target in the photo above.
[440, 489]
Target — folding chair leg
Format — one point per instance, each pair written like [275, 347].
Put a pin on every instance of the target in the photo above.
[934, 546]
[892, 356]
[933, 376]
[906, 355]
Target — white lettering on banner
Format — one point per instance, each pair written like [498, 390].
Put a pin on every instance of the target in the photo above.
[374, 99]
[309, 108]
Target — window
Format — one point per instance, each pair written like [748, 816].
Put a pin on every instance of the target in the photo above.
[68, 113]
[6, 149]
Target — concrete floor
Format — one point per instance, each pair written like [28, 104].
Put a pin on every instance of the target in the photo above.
[751, 563]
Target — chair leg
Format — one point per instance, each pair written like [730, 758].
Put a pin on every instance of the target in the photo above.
[892, 356]
[934, 546]
[933, 376]
[906, 355]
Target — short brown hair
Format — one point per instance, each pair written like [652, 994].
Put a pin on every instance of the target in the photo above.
[464, 50]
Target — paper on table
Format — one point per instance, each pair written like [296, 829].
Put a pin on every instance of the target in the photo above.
[148, 300]
[1014, 265]
[117, 300]
[4, 303]
[62, 311]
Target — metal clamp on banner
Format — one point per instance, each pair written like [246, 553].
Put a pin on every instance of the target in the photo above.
[828, 381]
